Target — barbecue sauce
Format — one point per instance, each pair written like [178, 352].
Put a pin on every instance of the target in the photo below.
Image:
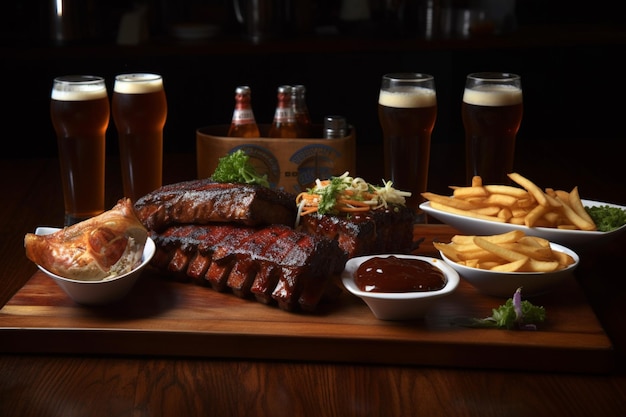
[393, 274]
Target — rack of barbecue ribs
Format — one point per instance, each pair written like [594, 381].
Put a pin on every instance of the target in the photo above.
[204, 201]
[240, 238]
[273, 264]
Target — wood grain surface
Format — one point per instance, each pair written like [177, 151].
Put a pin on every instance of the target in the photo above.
[165, 317]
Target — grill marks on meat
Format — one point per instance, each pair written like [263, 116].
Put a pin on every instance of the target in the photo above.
[385, 230]
[274, 264]
[204, 201]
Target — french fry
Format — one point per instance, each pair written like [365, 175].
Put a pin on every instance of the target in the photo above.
[573, 217]
[516, 192]
[534, 241]
[449, 201]
[507, 237]
[514, 266]
[563, 258]
[470, 192]
[468, 213]
[505, 213]
[534, 215]
[488, 211]
[488, 264]
[535, 265]
[577, 205]
[526, 203]
[449, 250]
[553, 200]
[536, 252]
[531, 187]
[563, 196]
[498, 250]
[567, 227]
[481, 255]
[502, 200]
[519, 211]
[554, 218]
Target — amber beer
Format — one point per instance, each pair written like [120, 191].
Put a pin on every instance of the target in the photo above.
[139, 111]
[79, 109]
[407, 115]
[492, 115]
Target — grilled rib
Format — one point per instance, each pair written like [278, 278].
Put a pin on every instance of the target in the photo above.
[274, 264]
[384, 230]
[204, 201]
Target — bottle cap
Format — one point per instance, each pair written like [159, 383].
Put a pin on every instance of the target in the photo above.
[335, 127]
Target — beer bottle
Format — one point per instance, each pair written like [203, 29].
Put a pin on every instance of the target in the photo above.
[243, 124]
[284, 123]
[303, 119]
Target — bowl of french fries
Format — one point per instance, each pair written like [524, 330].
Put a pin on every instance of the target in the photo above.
[556, 215]
[498, 264]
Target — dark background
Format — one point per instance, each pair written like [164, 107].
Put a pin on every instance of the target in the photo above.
[571, 60]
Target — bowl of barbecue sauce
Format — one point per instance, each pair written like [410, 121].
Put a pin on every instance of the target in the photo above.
[399, 287]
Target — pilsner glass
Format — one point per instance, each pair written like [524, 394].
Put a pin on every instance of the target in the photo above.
[139, 111]
[407, 111]
[79, 109]
[492, 114]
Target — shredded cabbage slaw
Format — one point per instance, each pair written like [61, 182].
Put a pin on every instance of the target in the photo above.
[345, 194]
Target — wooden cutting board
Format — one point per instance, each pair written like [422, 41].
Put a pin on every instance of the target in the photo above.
[164, 317]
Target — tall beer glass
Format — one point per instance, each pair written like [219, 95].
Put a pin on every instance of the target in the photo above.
[492, 114]
[139, 111]
[79, 109]
[407, 110]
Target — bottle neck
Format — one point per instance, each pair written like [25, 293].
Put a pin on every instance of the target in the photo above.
[243, 113]
[242, 102]
[284, 111]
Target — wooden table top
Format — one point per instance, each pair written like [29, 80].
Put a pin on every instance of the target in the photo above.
[94, 383]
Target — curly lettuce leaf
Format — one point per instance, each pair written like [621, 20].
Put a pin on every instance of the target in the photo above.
[236, 168]
[513, 314]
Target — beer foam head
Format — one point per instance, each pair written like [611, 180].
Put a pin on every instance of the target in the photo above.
[408, 97]
[138, 83]
[493, 95]
[76, 90]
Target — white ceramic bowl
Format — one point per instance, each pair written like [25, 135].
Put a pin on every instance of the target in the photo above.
[504, 284]
[400, 306]
[578, 239]
[99, 292]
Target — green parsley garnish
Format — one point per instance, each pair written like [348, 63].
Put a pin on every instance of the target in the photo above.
[607, 218]
[236, 168]
[328, 195]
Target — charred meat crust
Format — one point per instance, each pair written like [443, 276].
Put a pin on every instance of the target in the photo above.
[385, 230]
[273, 264]
[205, 201]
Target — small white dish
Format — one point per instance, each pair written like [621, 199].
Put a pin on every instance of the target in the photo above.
[400, 305]
[99, 292]
[571, 238]
[504, 284]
